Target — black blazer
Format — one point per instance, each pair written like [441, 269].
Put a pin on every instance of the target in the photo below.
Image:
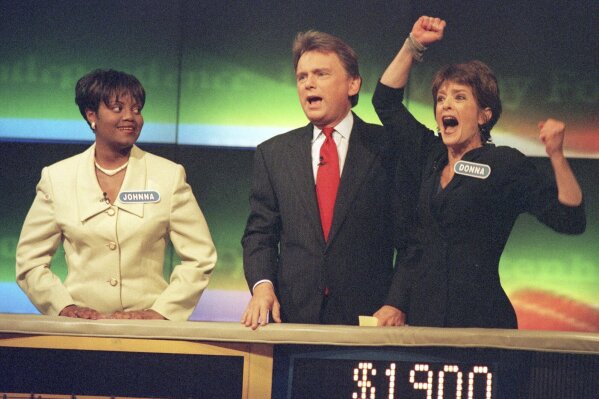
[449, 276]
[283, 239]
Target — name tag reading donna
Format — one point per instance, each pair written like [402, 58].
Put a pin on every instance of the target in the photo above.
[139, 197]
[472, 169]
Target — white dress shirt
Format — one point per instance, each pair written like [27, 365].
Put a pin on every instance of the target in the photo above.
[341, 137]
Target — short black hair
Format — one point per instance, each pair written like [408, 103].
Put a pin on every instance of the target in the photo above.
[105, 85]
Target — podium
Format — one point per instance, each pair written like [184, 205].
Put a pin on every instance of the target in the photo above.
[43, 357]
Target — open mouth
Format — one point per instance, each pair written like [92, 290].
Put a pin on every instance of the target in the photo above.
[450, 121]
[314, 99]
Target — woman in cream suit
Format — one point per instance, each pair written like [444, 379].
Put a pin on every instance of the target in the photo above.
[114, 207]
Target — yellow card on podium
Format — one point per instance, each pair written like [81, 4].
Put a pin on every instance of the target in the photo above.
[368, 321]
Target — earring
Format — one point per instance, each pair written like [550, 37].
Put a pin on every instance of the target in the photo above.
[93, 125]
[485, 134]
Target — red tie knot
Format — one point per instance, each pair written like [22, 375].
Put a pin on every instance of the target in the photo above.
[328, 132]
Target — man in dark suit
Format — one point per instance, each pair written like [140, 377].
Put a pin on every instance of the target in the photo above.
[318, 245]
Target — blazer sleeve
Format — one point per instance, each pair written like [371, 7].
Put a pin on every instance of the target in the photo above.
[262, 232]
[191, 239]
[411, 139]
[536, 193]
[413, 143]
[40, 237]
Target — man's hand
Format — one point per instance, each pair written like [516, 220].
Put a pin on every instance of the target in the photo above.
[390, 316]
[428, 30]
[263, 301]
[81, 312]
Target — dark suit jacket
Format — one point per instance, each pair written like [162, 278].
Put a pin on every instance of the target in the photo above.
[283, 239]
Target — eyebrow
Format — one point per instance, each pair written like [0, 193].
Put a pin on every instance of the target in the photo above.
[315, 70]
[443, 91]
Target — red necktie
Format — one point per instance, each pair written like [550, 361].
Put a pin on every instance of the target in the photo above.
[327, 180]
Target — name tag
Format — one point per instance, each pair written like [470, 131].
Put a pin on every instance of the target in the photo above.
[139, 197]
[472, 169]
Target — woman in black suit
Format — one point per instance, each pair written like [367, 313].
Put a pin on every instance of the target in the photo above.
[468, 192]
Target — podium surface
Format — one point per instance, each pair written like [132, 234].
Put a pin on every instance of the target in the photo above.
[45, 356]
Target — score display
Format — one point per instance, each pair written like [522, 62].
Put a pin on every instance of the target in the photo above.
[414, 372]
[375, 379]
[427, 372]
[424, 377]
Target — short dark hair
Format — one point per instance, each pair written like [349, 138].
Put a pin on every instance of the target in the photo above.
[105, 85]
[319, 41]
[480, 78]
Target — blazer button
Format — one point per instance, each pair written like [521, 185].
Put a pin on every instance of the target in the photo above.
[110, 212]
[112, 245]
[114, 282]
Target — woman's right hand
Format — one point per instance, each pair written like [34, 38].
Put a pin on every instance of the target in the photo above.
[81, 312]
[428, 30]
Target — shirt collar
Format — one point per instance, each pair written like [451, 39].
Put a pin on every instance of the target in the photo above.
[343, 128]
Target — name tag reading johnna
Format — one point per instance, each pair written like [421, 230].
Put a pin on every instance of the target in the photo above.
[472, 169]
[139, 197]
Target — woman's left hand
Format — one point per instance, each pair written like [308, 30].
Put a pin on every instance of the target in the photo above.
[390, 316]
[552, 134]
[147, 314]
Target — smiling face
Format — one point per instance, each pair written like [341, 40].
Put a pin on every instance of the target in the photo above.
[118, 124]
[458, 116]
[324, 87]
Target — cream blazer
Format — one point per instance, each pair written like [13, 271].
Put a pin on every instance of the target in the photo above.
[115, 252]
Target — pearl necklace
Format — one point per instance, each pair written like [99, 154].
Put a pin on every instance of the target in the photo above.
[111, 172]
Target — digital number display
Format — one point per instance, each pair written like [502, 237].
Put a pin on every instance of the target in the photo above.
[322, 378]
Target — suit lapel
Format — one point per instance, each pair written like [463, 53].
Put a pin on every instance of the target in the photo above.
[357, 165]
[89, 193]
[303, 175]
